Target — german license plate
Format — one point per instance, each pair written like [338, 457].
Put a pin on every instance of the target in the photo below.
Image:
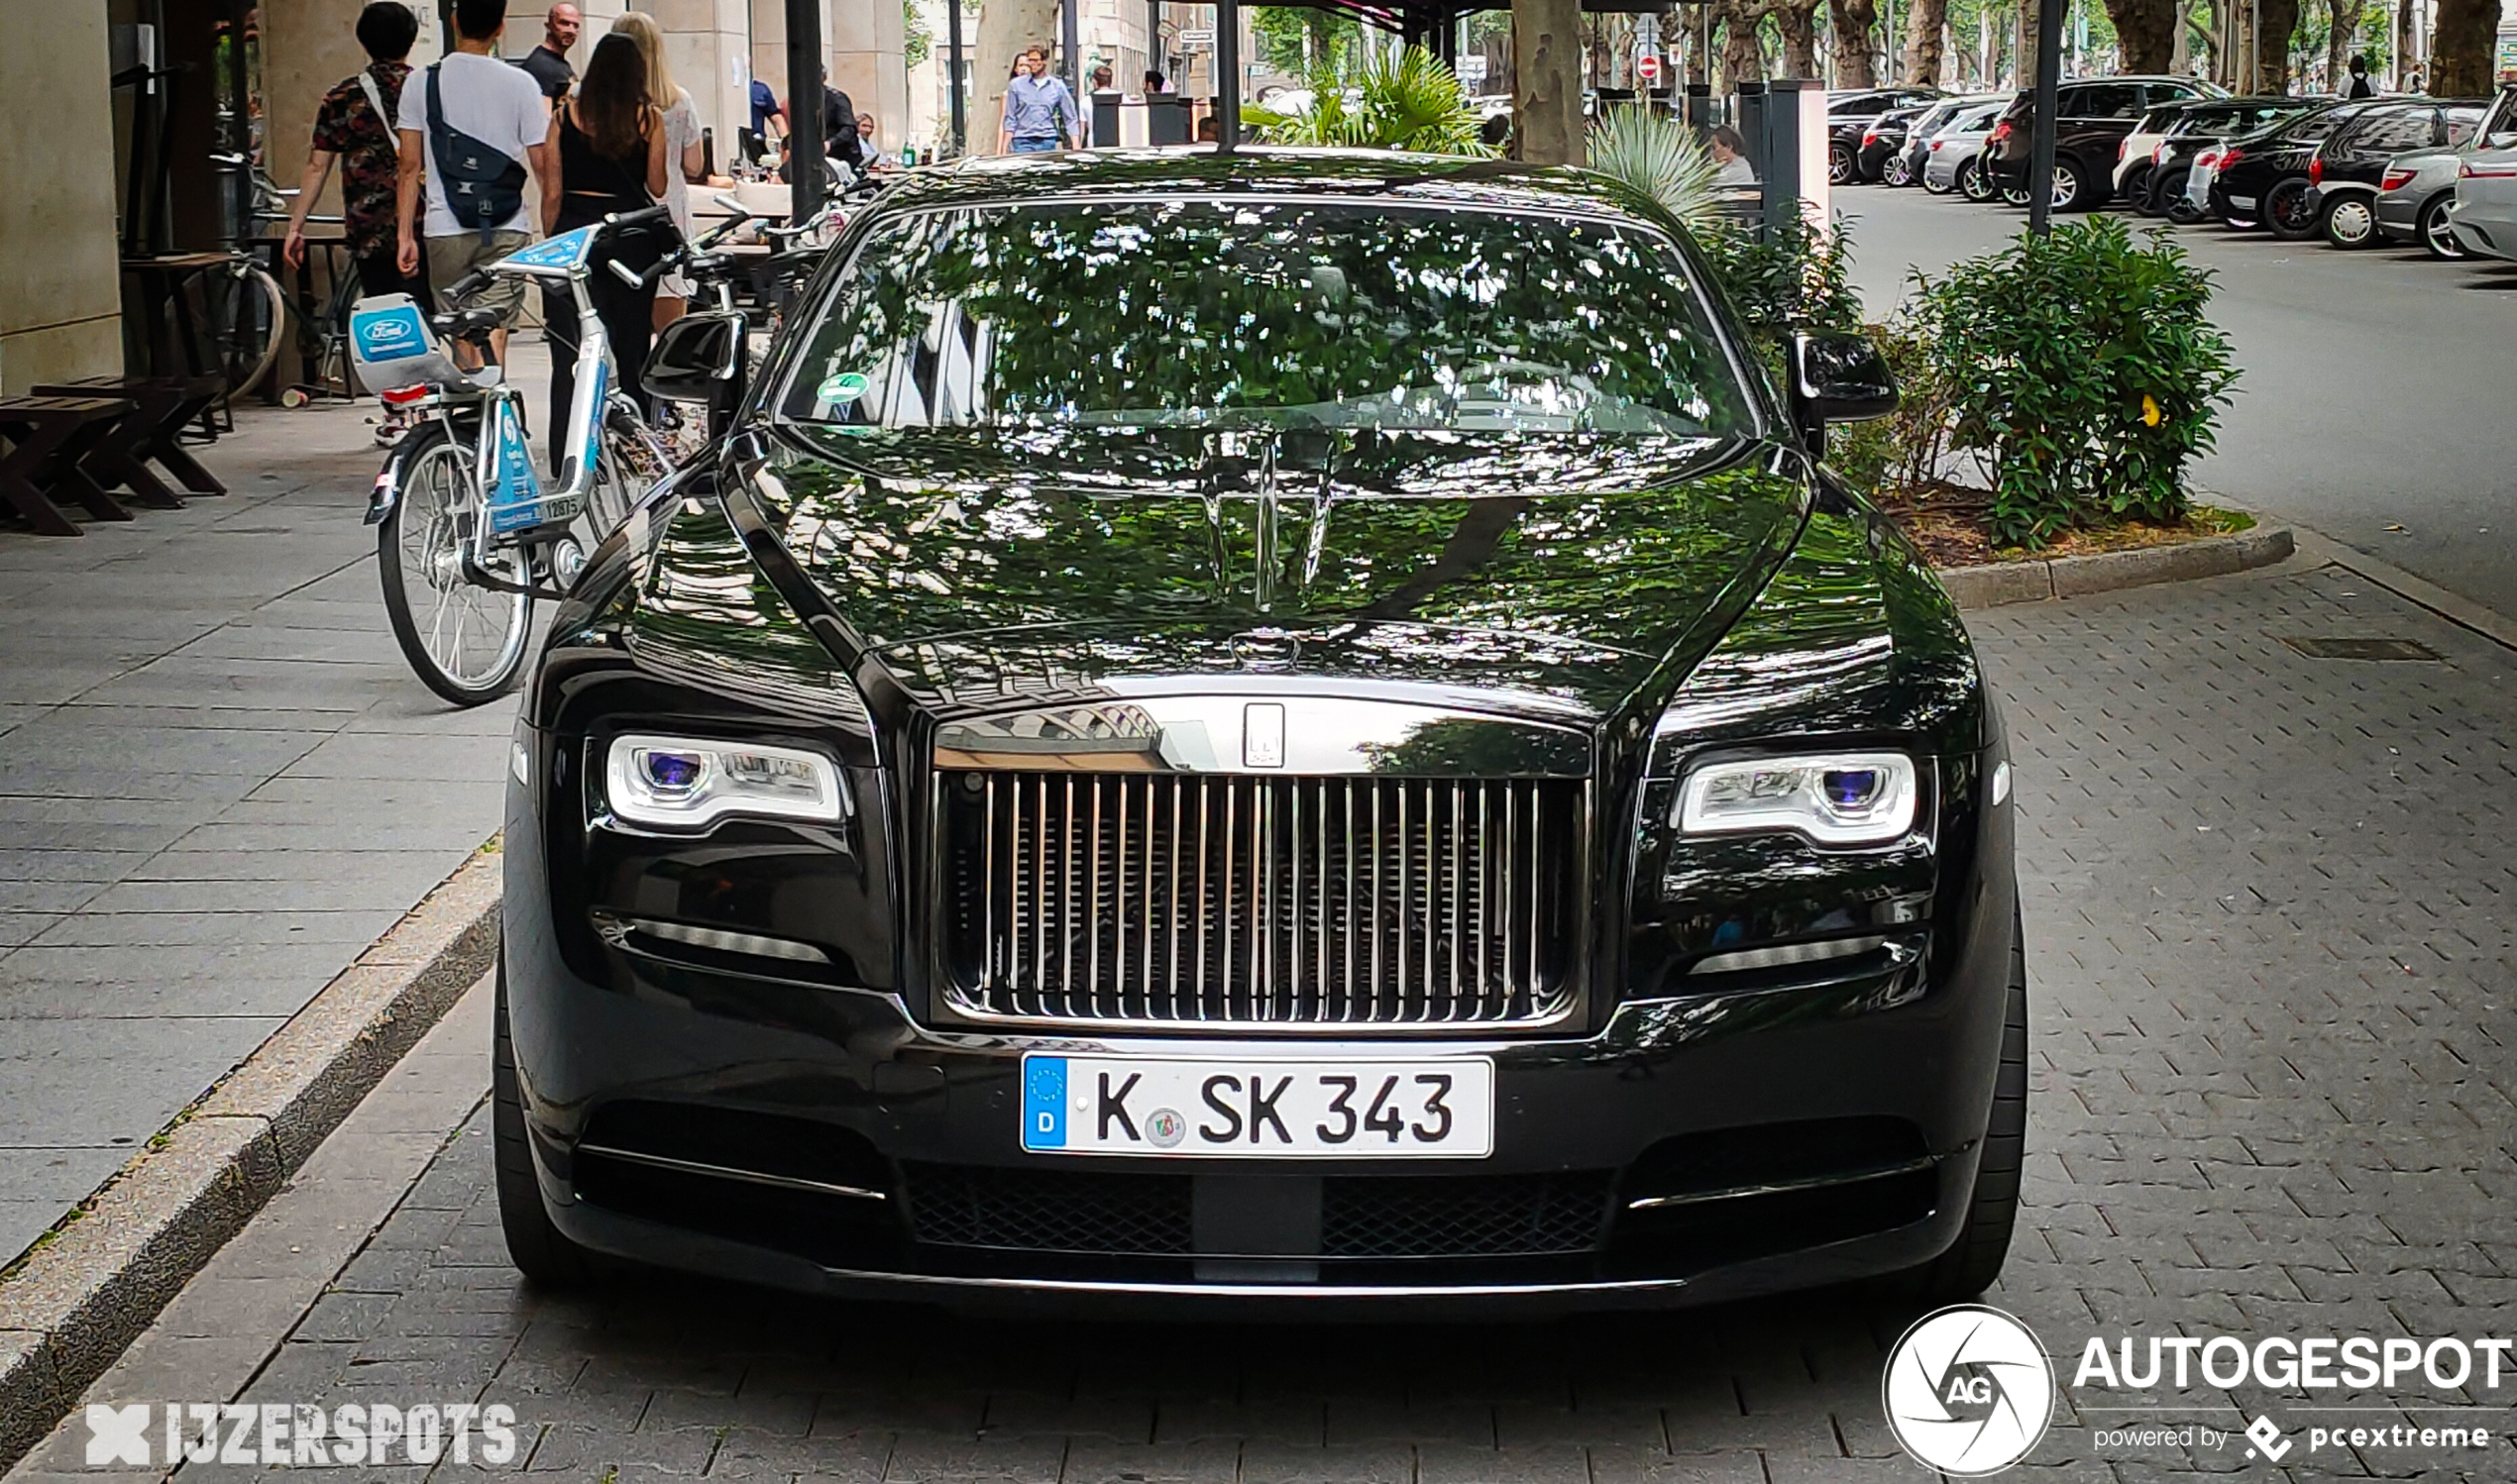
[1227, 1107]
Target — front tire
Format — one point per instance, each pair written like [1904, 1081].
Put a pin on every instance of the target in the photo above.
[466, 643]
[1975, 1259]
[2438, 239]
[539, 1249]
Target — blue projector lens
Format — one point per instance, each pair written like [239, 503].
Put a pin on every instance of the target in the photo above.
[672, 772]
[1850, 787]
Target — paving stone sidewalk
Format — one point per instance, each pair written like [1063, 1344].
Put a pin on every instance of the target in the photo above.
[218, 782]
[2268, 905]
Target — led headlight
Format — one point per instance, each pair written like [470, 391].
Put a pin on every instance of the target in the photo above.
[686, 783]
[1833, 798]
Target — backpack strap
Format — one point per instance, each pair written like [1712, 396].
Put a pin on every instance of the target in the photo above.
[376, 97]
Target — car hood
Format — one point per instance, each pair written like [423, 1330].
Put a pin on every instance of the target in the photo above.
[1554, 574]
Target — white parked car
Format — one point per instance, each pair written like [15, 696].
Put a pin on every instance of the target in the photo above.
[2484, 217]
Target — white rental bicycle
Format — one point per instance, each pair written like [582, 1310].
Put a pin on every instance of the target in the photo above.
[468, 535]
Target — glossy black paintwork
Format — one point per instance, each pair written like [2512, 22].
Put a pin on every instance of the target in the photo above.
[2090, 143]
[848, 592]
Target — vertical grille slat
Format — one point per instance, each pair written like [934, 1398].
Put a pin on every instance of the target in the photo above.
[1166, 898]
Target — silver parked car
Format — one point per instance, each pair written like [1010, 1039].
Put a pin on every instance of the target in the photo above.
[2484, 216]
[1950, 165]
[1917, 151]
[2419, 189]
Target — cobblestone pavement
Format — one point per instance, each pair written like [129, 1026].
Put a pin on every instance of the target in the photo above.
[2268, 908]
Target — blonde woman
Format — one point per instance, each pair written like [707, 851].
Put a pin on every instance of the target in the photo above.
[683, 150]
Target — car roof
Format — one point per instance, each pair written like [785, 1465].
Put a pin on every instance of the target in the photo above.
[1261, 170]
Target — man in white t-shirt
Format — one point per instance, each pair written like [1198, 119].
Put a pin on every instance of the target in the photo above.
[502, 109]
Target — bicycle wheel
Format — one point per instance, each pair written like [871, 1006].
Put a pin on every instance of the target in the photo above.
[244, 314]
[466, 643]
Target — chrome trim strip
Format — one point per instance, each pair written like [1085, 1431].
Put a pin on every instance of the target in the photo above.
[1323, 735]
[1786, 955]
[726, 1172]
[1781, 1186]
[754, 945]
[1313, 1291]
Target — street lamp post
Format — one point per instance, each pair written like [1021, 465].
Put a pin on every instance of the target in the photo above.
[1228, 73]
[2040, 156]
[804, 102]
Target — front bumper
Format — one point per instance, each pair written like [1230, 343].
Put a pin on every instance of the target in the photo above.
[1885, 1068]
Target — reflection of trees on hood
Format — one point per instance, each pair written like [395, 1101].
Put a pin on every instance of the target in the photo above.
[1199, 306]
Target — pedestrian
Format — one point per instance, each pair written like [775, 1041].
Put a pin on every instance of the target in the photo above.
[1731, 152]
[685, 153]
[1154, 86]
[1210, 131]
[875, 156]
[839, 128]
[765, 109]
[354, 125]
[552, 71]
[1102, 78]
[1040, 113]
[473, 127]
[2360, 86]
[608, 143]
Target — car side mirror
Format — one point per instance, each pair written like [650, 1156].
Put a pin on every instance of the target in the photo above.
[704, 359]
[1837, 379]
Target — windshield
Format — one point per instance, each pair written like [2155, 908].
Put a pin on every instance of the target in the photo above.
[1271, 314]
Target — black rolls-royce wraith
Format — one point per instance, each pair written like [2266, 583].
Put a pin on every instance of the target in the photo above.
[1252, 728]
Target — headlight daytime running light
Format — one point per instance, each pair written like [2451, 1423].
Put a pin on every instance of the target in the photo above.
[1832, 798]
[689, 783]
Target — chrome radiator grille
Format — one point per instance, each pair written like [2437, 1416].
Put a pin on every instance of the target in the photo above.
[1237, 899]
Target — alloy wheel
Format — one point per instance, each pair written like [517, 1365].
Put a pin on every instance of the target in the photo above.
[2437, 237]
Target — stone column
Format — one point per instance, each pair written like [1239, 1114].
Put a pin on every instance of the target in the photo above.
[707, 45]
[60, 289]
[869, 64]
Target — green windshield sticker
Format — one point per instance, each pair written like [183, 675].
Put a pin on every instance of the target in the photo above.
[847, 386]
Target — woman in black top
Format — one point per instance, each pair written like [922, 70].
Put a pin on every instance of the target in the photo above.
[607, 140]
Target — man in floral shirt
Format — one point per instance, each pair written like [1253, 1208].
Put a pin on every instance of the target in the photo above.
[355, 126]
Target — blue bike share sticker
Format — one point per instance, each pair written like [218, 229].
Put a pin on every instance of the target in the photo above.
[566, 251]
[396, 334]
[514, 494]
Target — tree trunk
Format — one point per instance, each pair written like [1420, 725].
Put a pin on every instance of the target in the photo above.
[1927, 40]
[1853, 21]
[2340, 38]
[2147, 29]
[1796, 22]
[1743, 51]
[1547, 80]
[2461, 49]
[2280, 20]
[1006, 26]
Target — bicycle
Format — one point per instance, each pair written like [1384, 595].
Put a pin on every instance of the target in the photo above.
[468, 536]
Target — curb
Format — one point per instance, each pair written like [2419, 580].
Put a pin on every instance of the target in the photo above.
[1997, 583]
[78, 1300]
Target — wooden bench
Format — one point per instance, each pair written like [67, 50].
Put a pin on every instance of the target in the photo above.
[50, 440]
[162, 409]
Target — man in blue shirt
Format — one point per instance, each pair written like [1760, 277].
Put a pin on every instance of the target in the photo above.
[764, 107]
[1040, 112]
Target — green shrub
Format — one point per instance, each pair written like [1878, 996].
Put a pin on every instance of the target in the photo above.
[2080, 369]
[1413, 101]
[1784, 278]
[1906, 449]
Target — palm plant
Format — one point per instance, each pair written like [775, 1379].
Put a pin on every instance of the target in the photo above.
[1411, 101]
[1658, 155]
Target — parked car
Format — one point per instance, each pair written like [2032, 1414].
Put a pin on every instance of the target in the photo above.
[2191, 128]
[1569, 865]
[2236, 174]
[1849, 114]
[1883, 145]
[1955, 160]
[2092, 118]
[1917, 150]
[2419, 188]
[2484, 216]
[2347, 172]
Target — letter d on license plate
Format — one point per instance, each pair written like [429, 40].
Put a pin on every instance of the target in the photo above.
[1241, 1107]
